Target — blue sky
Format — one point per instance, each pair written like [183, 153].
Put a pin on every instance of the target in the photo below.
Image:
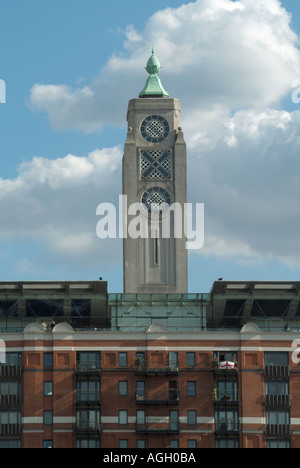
[70, 69]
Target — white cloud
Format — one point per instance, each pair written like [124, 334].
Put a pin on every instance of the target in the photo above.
[53, 202]
[230, 64]
[251, 189]
[213, 53]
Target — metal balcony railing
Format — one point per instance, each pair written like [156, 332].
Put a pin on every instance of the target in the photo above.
[173, 428]
[10, 401]
[278, 372]
[10, 371]
[7, 430]
[157, 368]
[224, 425]
[90, 368]
[173, 398]
[88, 397]
[88, 426]
[278, 430]
[277, 401]
[226, 398]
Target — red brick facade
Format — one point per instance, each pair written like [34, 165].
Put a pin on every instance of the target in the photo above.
[133, 390]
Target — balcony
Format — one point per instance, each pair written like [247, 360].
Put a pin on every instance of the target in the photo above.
[227, 426]
[277, 372]
[158, 369]
[87, 370]
[222, 399]
[87, 427]
[173, 428]
[10, 430]
[225, 368]
[278, 430]
[86, 398]
[10, 401]
[11, 372]
[172, 399]
[277, 401]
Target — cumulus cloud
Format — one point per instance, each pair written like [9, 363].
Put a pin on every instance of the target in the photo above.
[249, 179]
[213, 52]
[53, 202]
[230, 63]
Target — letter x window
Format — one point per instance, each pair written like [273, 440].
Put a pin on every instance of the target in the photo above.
[156, 164]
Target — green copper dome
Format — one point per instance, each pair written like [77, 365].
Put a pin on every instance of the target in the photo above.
[153, 86]
[153, 65]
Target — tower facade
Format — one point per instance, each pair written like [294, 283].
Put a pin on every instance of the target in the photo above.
[155, 190]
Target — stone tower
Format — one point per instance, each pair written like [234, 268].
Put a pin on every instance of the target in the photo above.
[154, 178]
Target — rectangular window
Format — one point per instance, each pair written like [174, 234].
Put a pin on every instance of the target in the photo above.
[88, 391]
[277, 388]
[276, 359]
[227, 391]
[278, 444]
[222, 356]
[192, 417]
[123, 388]
[88, 444]
[278, 417]
[173, 360]
[123, 443]
[140, 359]
[88, 419]
[123, 417]
[48, 388]
[88, 361]
[48, 418]
[122, 359]
[140, 388]
[191, 388]
[227, 443]
[227, 420]
[141, 444]
[174, 420]
[13, 359]
[10, 417]
[48, 360]
[190, 359]
[192, 443]
[140, 417]
[173, 390]
[10, 388]
[10, 443]
[174, 444]
[48, 444]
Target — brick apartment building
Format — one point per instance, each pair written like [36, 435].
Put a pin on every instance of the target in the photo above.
[154, 367]
[154, 371]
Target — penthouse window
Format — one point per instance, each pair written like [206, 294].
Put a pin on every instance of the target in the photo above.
[44, 308]
[81, 312]
[87, 361]
[270, 307]
[9, 309]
